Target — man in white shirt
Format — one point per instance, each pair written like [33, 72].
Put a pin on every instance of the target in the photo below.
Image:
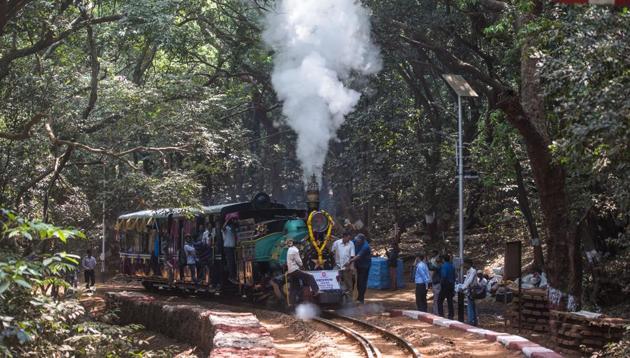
[294, 274]
[89, 263]
[208, 235]
[343, 250]
[205, 235]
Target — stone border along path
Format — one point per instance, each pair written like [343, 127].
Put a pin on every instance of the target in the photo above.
[518, 343]
[223, 333]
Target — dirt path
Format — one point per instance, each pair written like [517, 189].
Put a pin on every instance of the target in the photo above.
[168, 346]
[295, 338]
[490, 313]
[432, 341]
[286, 341]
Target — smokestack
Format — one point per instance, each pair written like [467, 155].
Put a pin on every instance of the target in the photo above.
[312, 194]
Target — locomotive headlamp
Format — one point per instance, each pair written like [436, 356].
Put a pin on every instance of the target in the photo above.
[319, 221]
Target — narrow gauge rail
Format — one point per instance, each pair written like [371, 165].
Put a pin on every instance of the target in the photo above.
[370, 349]
[369, 346]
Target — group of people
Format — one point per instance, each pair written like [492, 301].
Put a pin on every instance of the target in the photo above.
[206, 254]
[438, 273]
[353, 257]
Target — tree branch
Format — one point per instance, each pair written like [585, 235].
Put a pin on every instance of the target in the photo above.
[483, 81]
[494, 5]
[8, 10]
[31, 184]
[47, 39]
[102, 124]
[118, 155]
[25, 132]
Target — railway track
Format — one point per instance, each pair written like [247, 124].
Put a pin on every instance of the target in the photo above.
[375, 341]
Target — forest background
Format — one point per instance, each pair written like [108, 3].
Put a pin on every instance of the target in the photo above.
[113, 106]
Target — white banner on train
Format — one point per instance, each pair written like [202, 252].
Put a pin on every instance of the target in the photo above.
[326, 280]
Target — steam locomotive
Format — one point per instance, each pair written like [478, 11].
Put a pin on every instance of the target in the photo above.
[152, 250]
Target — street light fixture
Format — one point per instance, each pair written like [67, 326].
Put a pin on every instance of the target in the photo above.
[462, 89]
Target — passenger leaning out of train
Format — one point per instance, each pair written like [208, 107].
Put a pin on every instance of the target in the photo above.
[294, 274]
[343, 249]
[191, 258]
[229, 249]
[203, 251]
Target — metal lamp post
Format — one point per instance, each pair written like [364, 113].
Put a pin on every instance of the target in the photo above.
[462, 89]
[102, 257]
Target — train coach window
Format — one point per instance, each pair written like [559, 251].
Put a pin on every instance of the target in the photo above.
[145, 243]
[122, 238]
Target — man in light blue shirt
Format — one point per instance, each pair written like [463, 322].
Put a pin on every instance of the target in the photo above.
[422, 279]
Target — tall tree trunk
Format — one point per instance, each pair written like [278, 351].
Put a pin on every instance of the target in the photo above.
[523, 203]
[525, 114]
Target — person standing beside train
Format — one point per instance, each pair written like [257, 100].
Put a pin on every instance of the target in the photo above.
[422, 279]
[191, 258]
[436, 281]
[217, 259]
[363, 261]
[89, 263]
[295, 274]
[229, 249]
[343, 249]
[392, 265]
[204, 256]
[447, 286]
[470, 281]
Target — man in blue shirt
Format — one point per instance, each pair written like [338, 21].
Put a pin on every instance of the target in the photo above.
[447, 273]
[422, 279]
[362, 261]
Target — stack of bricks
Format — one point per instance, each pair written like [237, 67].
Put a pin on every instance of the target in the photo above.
[579, 332]
[239, 335]
[534, 311]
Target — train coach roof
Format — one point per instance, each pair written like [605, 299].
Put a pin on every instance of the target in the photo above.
[160, 213]
[180, 212]
[218, 209]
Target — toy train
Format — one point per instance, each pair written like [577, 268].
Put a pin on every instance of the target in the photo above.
[152, 250]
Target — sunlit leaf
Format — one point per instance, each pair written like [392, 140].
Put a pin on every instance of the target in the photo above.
[4, 285]
[22, 283]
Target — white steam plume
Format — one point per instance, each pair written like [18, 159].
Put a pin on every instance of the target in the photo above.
[306, 311]
[318, 44]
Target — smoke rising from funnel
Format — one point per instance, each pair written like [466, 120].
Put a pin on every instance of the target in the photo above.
[318, 45]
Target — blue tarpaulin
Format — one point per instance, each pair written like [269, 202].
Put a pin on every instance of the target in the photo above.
[379, 274]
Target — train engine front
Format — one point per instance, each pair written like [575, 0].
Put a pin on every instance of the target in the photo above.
[315, 252]
[263, 268]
